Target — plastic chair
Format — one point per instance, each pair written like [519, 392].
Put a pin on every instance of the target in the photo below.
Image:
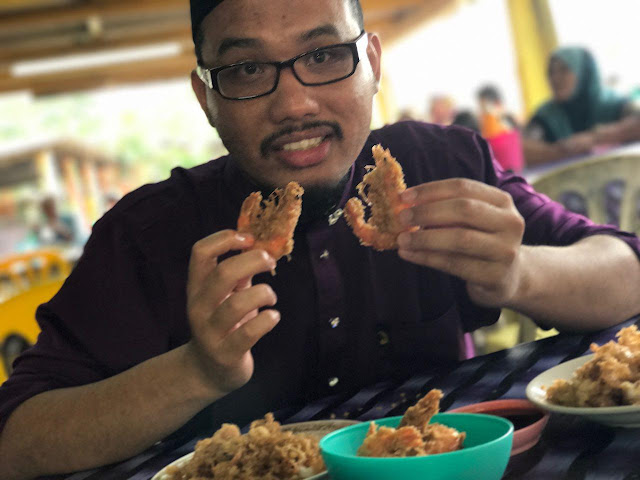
[26, 281]
[605, 189]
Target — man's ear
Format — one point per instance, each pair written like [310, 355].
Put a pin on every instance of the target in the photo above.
[200, 89]
[374, 52]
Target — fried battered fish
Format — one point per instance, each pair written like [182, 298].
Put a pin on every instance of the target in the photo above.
[380, 189]
[415, 436]
[272, 221]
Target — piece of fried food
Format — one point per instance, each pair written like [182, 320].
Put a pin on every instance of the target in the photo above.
[415, 436]
[419, 414]
[272, 221]
[611, 378]
[380, 189]
[266, 452]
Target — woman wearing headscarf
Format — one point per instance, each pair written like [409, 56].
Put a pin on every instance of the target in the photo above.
[581, 115]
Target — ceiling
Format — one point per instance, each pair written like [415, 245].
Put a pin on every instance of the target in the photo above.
[35, 30]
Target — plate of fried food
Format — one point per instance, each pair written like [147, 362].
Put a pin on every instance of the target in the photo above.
[464, 446]
[267, 451]
[603, 387]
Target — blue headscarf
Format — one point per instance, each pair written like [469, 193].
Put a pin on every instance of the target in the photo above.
[589, 105]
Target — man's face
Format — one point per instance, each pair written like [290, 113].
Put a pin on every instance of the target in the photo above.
[310, 134]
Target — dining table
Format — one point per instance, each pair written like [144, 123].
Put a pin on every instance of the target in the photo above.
[571, 447]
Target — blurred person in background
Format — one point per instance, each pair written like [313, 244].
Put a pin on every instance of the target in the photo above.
[407, 113]
[494, 118]
[582, 115]
[47, 226]
[55, 228]
[467, 119]
[500, 129]
[441, 110]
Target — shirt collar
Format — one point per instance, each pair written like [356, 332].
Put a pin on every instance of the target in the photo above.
[239, 186]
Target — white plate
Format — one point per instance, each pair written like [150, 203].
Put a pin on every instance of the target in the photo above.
[627, 416]
[317, 428]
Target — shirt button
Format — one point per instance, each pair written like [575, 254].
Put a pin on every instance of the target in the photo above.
[334, 322]
[383, 337]
[335, 216]
[333, 381]
[324, 255]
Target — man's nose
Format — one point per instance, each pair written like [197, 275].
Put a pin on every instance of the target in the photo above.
[292, 100]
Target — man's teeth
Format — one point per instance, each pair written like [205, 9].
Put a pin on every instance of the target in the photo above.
[303, 144]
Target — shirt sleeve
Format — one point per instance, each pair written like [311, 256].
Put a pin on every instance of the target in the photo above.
[100, 323]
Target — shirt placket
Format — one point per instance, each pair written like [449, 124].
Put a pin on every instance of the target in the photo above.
[331, 321]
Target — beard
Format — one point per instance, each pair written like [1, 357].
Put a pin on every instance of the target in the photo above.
[319, 201]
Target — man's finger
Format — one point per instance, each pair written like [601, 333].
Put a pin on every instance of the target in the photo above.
[456, 188]
[205, 252]
[473, 270]
[470, 243]
[239, 305]
[232, 273]
[238, 342]
[467, 212]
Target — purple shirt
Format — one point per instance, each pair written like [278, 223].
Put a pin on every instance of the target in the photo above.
[350, 315]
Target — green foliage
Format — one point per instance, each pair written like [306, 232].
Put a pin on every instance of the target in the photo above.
[160, 125]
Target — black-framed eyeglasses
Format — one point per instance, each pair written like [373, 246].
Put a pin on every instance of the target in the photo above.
[321, 66]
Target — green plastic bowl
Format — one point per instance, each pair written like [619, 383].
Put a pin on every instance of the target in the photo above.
[484, 455]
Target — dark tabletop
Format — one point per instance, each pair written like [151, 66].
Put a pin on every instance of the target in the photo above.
[570, 447]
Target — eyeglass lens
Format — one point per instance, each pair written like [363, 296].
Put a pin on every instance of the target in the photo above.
[315, 68]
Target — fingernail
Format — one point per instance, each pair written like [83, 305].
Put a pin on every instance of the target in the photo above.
[409, 196]
[406, 216]
[241, 237]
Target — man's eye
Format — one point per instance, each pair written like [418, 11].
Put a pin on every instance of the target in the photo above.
[320, 57]
[249, 69]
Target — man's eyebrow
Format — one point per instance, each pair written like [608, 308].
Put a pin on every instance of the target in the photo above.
[233, 42]
[321, 31]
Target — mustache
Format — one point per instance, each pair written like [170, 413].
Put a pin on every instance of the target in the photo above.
[265, 145]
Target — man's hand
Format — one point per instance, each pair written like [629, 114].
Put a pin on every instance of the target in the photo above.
[467, 229]
[222, 305]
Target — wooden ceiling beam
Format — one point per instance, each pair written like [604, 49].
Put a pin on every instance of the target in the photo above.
[21, 5]
[69, 45]
[81, 12]
[77, 80]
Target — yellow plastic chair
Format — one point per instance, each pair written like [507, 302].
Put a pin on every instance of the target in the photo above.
[26, 281]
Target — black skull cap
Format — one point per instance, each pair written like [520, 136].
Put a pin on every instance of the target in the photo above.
[199, 10]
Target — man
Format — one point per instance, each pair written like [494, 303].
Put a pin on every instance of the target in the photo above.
[162, 316]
